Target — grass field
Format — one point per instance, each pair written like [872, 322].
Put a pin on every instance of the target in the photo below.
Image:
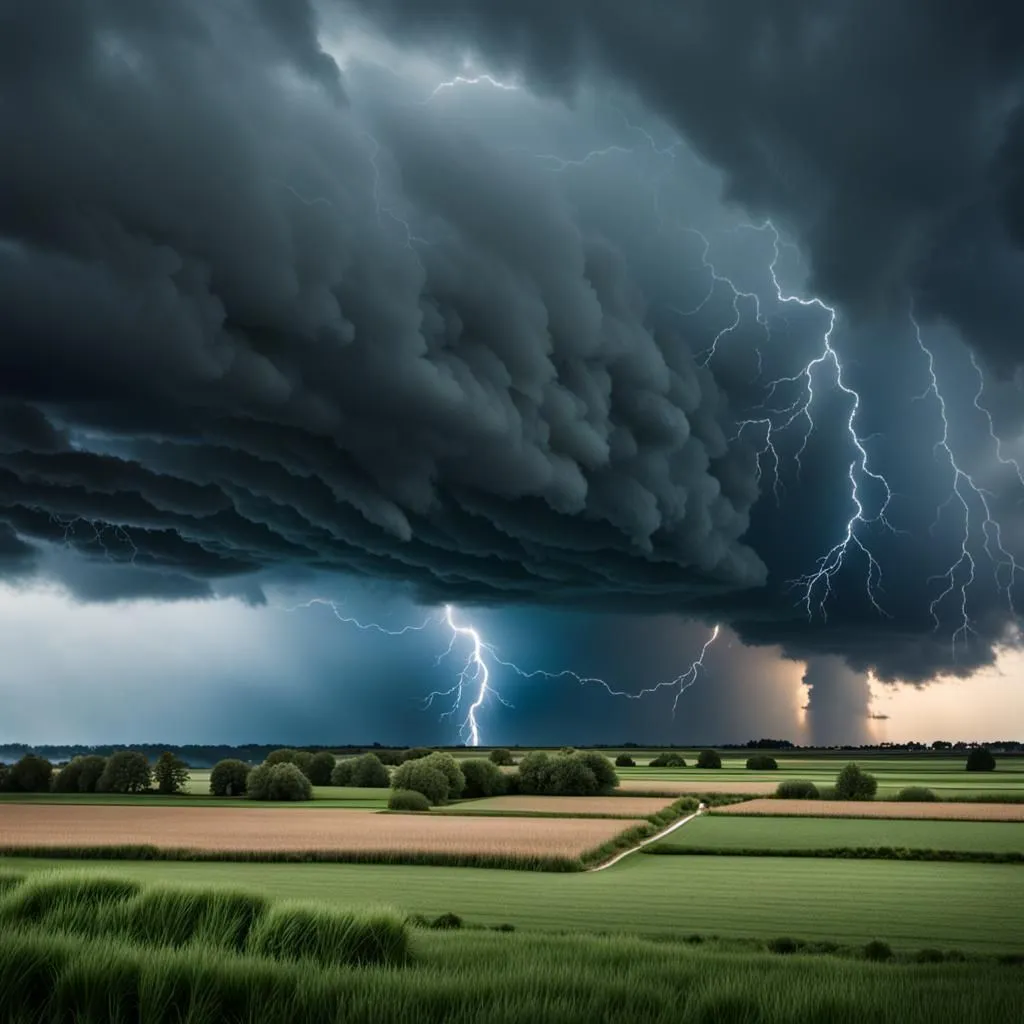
[100, 953]
[911, 905]
[891, 809]
[739, 833]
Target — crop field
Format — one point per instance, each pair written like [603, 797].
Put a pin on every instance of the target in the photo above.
[262, 829]
[976, 907]
[876, 809]
[753, 833]
[604, 806]
[98, 951]
[680, 784]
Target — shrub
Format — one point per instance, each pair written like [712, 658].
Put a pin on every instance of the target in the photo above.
[391, 758]
[342, 772]
[796, 789]
[320, 767]
[449, 767]
[853, 783]
[229, 778]
[784, 945]
[283, 755]
[483, 777]
[407, 800]
[980, 760]
[501, 756]
[571, 776]
[414, 754]
[170, 774]
[929, 956]
[603, 769]
[877, 950]
[916, 794]
[303, 761]
[91, 771]
[670, 760]
[422, 777]
[31, 774]
[534, 773]
[709, 759]
[282, 781]
[624, 761]
[126, 771]
[368, 772]
[762, 763]
[66, 780]
[446, 921]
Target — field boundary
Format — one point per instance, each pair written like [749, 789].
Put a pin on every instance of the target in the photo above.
[847, 853]
[650, 839]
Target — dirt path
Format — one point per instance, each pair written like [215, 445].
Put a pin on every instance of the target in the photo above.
[653, 839]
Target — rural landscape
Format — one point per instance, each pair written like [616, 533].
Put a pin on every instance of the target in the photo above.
[420, 885]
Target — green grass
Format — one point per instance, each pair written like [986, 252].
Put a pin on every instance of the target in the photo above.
[976, 907]
[350, 797]
[97, 950]
[757, 833]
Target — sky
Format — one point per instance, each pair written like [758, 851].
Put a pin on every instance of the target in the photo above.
[520, 372]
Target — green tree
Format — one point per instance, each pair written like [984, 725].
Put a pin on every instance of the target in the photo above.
[501, 756]
[534, 773]
[415, 753]
[602, 768]
[90, 773]
[853, 783]
[126, 771]
[369, 773]
[283, 755]
[170, 774]
[452, 772]
[422, 777]
[571, 776]
[342, 773]
[483, 777]
[709, 759]
[229, 777]
[980, 760]
[66, 780]
[624, 761]
[762, 763]
[281, 781]
[668, 760]
[30, 774]
[5, 777]
[320, 767]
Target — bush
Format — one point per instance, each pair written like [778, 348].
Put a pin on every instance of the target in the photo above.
[283, 755]
[126, 771]
[602, 768]
[31, 774]
[916, 794]
[415, 754]
[624, 761]
[534, 773]
[853, 783]
[796, 789]
[342, 773]
[91, 771]
[450, 769]
[929, 956]
[66, 780]
[368, 772]
[785, 945]
[303, 761]
[320, 767]
[483, 777]
[980, 760]
[170, 774]
[671, 760]
[709, 759]
[446, 921]
[501, 756]
[229, 778]
[422, 777]
[407, 800]
[762, 763]
[877, 950]
[281, 781]
[571, 776]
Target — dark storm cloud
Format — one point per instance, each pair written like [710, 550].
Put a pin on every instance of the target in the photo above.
[249, 324]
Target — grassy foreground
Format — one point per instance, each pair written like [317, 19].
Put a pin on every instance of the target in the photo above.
[97, 950]
[974, 907]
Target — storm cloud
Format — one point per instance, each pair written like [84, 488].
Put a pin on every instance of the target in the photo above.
[261, 317]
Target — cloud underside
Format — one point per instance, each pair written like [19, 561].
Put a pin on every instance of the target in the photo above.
[226, 353]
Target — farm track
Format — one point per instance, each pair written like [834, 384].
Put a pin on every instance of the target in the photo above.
[652, 839]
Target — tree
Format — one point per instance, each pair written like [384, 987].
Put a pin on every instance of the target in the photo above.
[5, 777]
[796, 789]
[303, 761]
[709, 759]
[369, 773]
[408, 800]
[762, 763]
[624, 761]
[669, 760]
[534, 772]
[229, 777]
[91, 771]
[281, 781]
[421, 776]
[320, 767]
[501, 756]
[483, 777]
[126, 771]
[980, 759]
[415, 754]
[31, 774]
[342, 772]
[853, 783]
[571, 776]
[283, 755]
[170, 774]
[602, 768]
[66, 780]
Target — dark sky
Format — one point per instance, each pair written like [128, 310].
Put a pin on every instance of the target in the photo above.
[603, 323]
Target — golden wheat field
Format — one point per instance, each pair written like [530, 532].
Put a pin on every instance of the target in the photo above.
[878, 809]
[621, 807]
[246, 828]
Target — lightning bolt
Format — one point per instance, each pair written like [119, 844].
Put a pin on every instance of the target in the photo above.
[458, 80]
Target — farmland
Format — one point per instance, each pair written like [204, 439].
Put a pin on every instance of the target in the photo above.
[877, 809]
